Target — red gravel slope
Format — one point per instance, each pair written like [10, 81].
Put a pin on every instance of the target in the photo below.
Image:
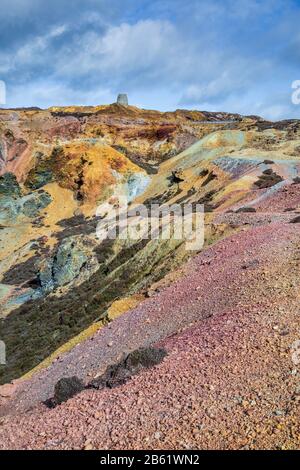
[228, 381]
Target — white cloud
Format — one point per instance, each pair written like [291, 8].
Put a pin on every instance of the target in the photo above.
[143, 47]
[225, 83]
[193, 54]
[32, 51]
[269, 104]
[50, 93]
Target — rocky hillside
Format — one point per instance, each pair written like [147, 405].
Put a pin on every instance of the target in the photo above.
[225, 319]
[57, 166]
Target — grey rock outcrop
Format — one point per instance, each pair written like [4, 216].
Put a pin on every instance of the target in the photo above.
[9, 186]
[73, 260]
[12, 207]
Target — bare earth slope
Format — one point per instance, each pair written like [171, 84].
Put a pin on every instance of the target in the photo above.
[227, 316]
[228, 380]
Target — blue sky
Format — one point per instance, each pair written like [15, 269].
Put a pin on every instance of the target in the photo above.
[219, 55]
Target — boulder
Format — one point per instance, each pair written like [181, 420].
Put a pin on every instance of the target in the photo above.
[7, 390]
[67, 388]
[118, 374]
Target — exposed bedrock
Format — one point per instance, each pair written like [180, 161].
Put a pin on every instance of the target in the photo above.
[11, 208]
[73, 259]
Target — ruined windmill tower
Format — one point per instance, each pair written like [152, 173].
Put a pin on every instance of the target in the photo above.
[122, 99]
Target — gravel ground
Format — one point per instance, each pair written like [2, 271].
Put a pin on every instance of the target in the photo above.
[228, 381]
[286, 198]
[283, 205]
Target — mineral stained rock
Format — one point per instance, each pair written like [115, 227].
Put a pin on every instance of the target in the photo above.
[73, 259]
[224, 322]
[9, 185]
[11, 207]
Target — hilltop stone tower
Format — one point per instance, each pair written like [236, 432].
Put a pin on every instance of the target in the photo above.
[122, 99]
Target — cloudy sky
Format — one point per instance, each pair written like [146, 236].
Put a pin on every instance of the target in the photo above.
[225, 55]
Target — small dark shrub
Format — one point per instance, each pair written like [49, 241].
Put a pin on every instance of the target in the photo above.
[268, 179]
[245, 209]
